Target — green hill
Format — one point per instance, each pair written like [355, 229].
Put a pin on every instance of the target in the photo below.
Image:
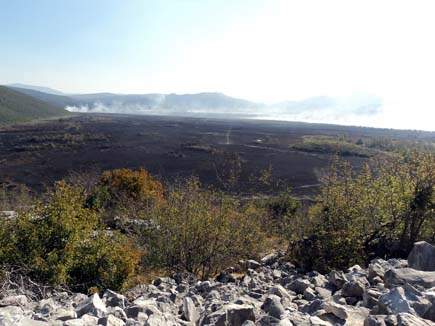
[59, 100]
[19, 107]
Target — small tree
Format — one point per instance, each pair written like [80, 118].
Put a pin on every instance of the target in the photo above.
[229, 171]
[202, 231]
[127, 191]
[282, 210]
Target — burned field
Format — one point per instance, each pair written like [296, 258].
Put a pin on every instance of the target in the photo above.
[171, 147]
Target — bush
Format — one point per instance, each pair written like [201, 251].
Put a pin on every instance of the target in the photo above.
[202, 231]
[379, 211]
[106, 262]
[63, 242]
[281, 210]
[126, 190]
[333, 145]
[124, 194]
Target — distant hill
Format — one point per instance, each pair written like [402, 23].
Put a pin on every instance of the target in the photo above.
[322, 109]
[37, 88]
[138, 103]
[60, 100]
[204, 101]
[19, 107]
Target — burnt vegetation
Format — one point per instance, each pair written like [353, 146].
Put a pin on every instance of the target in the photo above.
[125, 210]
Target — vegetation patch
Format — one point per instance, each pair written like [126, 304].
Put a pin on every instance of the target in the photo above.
[333, 145]
[378, 212]
[61, 241]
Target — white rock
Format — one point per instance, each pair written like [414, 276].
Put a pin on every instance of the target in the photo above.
[352, 315]
[64, 314]
[402, 276]
[14, 300]
[189, 310]
[93, 306]
[110, 321]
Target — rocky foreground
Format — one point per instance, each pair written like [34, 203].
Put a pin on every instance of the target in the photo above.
[271, 292]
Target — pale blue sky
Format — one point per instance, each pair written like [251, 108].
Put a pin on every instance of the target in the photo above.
[114, 45]
[267, 50]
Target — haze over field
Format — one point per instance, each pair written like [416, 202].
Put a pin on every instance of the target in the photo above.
[340, 110]
[364, 63]
[353, 110]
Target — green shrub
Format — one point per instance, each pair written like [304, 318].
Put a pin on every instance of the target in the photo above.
[281, 210]
[106, 261]
[333, 145]
[63, 242]
[203, 231]
[379, 211]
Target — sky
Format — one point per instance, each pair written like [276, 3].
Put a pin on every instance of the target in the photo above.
[261, 50]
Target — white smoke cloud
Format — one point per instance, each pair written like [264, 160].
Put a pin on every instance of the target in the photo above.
[96, 107]
[358, 110]
[114, 107]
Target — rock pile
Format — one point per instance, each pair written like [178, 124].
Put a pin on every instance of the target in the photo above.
[271, 292]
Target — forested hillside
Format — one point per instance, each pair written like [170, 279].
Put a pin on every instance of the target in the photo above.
[18, 107]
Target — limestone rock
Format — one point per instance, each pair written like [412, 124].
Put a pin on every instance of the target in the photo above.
[93, 306]
[375, 320]
[64, 314]
[113, 299]
[401, 276]
[405, 319]
[350, 314]
[110, 321]
[231, 315]
[189, 310]
[14, 300]
[280, 291]
[272, 305]
[422, 257]
[299, 285]
[353, 289]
